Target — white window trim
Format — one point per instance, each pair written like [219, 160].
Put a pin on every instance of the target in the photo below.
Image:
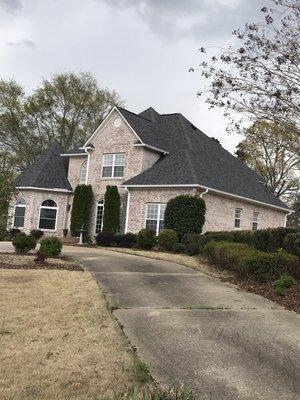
[15, 206]
[258, 219]
[158, 215]
[112, 166]
[240, 219]
[96, 216]
[50, 208]
[86, 171]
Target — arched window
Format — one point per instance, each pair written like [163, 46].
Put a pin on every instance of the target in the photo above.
[48, 215]
[99, 216]
[83, 172]
[19, 215]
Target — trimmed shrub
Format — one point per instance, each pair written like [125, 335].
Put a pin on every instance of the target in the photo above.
[105, 238]
[127, 240]
[191, 244]
[283, 283]
[23, 243]
[111, 217]
[178, 248]
[146, 239]
[36, 233]
[247, 262]
[292, 243]
[185, 214]
[51, 246]
[167, 238]
[40, 257]
[82, 202]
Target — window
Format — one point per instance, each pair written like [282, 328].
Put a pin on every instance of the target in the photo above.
[255, 221]
[99, 216]
[155, 213]
[238, 217]
[113, 165]
[83, 172]
[19, 216]
[48, 214]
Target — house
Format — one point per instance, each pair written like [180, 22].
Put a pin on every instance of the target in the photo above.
[152, 158]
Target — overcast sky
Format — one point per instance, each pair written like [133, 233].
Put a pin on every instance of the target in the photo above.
[141, 48]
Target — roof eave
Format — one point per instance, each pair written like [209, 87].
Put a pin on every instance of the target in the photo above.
[209, 189]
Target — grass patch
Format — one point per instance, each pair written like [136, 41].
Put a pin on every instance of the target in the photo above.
[58, 340]
[141, 370]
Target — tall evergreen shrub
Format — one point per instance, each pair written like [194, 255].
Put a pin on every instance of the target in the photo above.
[82, 203]
[112, 203]
[185, 214]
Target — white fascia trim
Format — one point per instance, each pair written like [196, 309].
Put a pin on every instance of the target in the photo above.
[44, 189]
[73, 155]
[104, 122]
[235, 196]
[150, 147]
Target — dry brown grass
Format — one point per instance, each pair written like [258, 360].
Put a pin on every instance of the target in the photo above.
[195, 262]
[57, 339]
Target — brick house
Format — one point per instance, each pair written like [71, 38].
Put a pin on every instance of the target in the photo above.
[152, 158]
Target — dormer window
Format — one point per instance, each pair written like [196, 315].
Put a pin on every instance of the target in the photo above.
[113, 165]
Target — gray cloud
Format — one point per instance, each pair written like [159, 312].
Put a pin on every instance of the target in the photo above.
[23, 42]
[10, 5]
[194, 18]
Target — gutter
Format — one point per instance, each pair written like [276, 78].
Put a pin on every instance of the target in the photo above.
[235, 196]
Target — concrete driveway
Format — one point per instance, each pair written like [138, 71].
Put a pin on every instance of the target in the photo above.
[189, 328]
[224, 343]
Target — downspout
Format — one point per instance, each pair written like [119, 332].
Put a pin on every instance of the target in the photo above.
[206, 191]
[127, 209]
[285, 217]
[87, 165]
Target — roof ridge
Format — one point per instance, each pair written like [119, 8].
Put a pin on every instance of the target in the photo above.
[190, 147]
[136, 115]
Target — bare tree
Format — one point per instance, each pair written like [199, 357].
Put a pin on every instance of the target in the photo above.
[259, 78]
[263, 149]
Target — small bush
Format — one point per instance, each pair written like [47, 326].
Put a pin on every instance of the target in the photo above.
[178, 248]
[105, 238]
[36, 233]
[283, 283]
[23, 243]
[146, 239]
[292, 243]
[127, 240]
[40, 257]
[167, 238]
[51, 246]
[191, 244]
[247, 262]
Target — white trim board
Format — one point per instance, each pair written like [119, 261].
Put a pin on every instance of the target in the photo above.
[44, 189]
[235, 196]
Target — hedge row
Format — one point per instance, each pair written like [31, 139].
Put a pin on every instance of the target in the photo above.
[247, 262]
[268, 240]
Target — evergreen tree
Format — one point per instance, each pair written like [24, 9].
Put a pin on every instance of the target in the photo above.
[112, 203]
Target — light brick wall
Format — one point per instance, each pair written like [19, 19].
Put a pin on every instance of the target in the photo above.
[220, 214]
[110, 139]
[219, 210]
[34, 199]
[75, 163]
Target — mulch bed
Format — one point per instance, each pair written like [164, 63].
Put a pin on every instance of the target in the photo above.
[65, 267]
[290, 299]
[26, 261]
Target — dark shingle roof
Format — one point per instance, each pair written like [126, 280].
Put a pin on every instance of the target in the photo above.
[76, 150]
[49, 171]
[193, 158]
